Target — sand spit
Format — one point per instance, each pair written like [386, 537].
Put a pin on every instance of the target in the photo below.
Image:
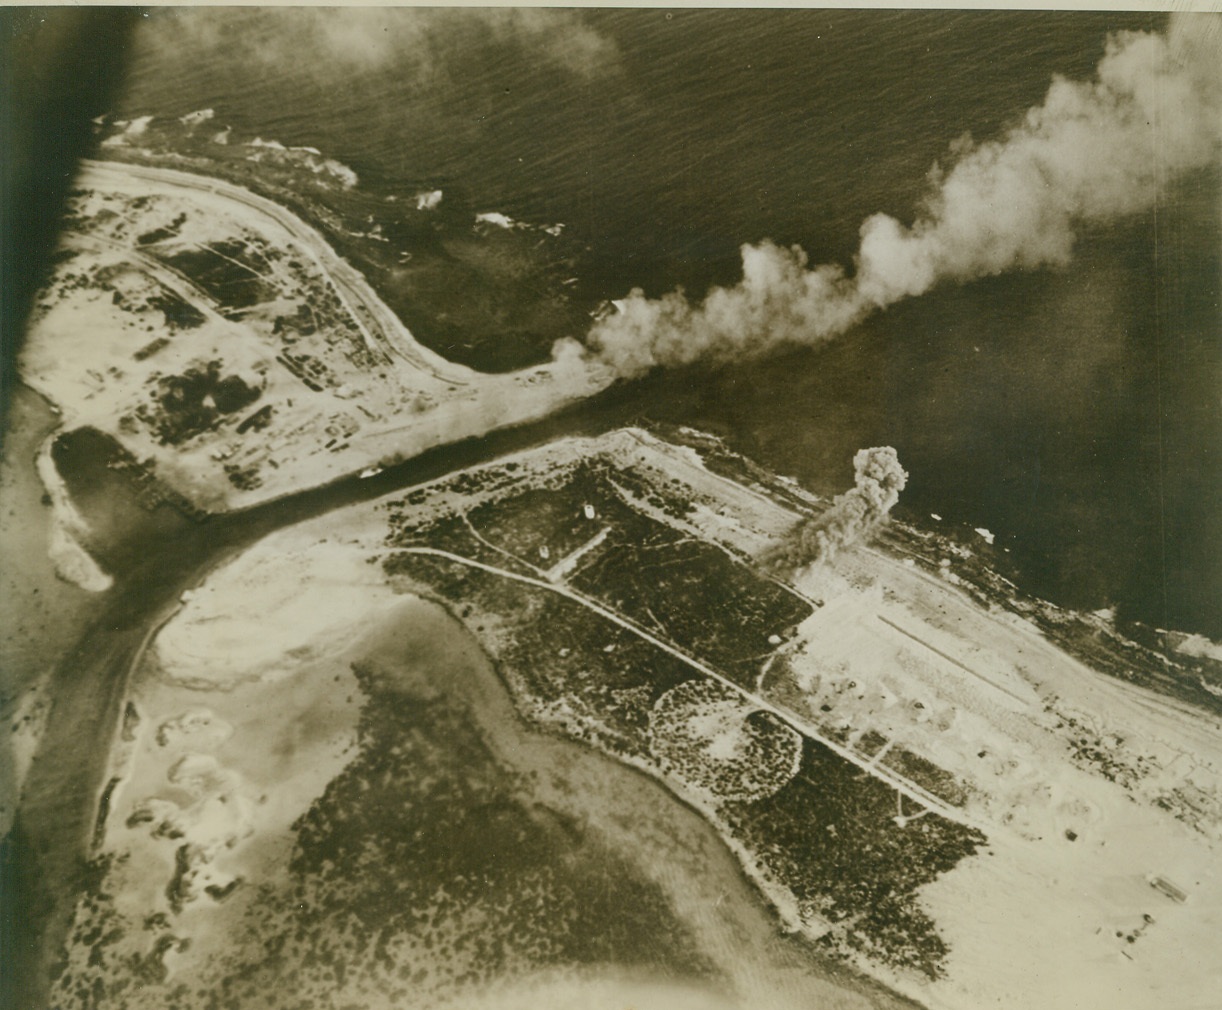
[72, 562]
[210, 646]
[222, 341]
[41, 614]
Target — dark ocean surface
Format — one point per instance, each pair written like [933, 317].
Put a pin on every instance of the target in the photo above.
[1075, 412]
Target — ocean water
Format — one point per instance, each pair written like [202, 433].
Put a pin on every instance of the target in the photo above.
[1072, 411]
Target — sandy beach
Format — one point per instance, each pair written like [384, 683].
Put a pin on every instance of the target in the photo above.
[41, 612]
[166, 278]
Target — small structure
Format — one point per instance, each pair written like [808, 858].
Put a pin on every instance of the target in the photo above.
[589, 511]
[1171, 890]
[545, 552]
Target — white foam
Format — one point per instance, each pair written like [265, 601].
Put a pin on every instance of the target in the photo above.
[428, 201]
[194, 119]
[130, 128]
[496, 218]
[304, 157]
[72, 562]
[1199, 647]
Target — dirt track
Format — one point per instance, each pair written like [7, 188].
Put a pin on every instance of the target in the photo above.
[381, 327]
[46, 852]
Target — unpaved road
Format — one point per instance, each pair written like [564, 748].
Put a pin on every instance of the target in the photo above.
[382, 329]
[791, 719]
[45, 855]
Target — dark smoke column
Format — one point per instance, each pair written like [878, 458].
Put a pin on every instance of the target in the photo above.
[853, 517]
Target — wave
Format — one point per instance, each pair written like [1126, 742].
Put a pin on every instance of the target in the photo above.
[309, 158]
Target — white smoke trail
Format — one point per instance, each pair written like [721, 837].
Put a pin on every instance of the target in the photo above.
[429, 46]
[1094, 151]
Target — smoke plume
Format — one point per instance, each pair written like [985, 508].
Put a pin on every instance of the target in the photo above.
[853, 516]
[1094, 151]
[426, 46]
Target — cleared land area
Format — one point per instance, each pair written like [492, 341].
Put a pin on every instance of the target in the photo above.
[229, 349]
[941, 742]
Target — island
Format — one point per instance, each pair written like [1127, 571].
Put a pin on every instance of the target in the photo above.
[223, 343]
[407, 684]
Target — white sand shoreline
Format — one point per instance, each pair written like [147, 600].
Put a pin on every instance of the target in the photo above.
[73, 563]
[402, 400]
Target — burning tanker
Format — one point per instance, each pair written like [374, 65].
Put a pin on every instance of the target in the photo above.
[1093, 152]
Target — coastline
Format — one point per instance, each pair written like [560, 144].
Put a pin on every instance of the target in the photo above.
[743, 522]
[452, 402]
[663, 834]
[58, 810]
[481, 422]
[41, 613]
